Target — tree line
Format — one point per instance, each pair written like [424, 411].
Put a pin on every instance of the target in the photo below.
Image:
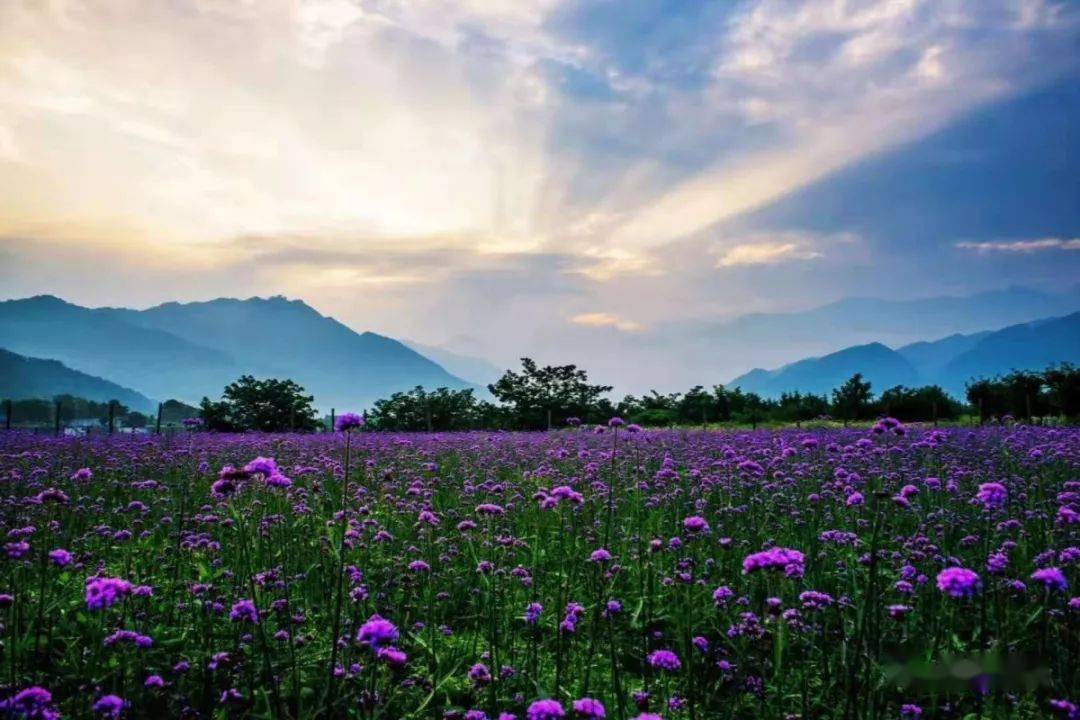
[535, 397]
[538, 397]
[64, 410]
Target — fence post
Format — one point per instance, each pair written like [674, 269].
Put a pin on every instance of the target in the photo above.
[112, 412]
[934, 406]
[7, 414]
[157, 428]
[333, 420]
[56, 427]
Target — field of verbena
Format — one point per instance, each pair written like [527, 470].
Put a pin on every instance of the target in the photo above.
[682, 574]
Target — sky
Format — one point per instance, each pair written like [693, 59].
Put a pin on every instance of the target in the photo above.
[548, 177]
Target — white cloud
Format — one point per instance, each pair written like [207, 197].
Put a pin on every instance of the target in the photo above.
[1021, 246]
[765, 253]
[603, 319]
[839, 81]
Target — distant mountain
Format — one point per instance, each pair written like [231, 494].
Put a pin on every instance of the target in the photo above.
[101, 343]
[950, 362]
[188, 350]
[882, 366]
[728, 347]
[288, 338]
[1031, 346]
[25, 378]
[474, 369]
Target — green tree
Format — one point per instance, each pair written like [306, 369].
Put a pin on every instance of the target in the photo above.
[851, 401]
[547, 396]
[988, 397]
[1063, 389]
[269, 405]
[924, 403]
[440, 410]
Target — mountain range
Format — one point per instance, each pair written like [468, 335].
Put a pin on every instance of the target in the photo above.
[23, 377]
[949, 362]
[190, 350]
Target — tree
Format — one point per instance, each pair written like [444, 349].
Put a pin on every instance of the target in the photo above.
[987, 397]
[417, 410]
[851, 401]
[547, 396]
[925, 403]
[798, 408]
[267, 405]
[1063, 389]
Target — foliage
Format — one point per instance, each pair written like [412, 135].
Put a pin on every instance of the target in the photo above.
[687, 574]
[548, 396]
[851, 401]
[269, 405]
[418, 410]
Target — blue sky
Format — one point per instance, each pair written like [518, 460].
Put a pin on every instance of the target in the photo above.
[553, 177]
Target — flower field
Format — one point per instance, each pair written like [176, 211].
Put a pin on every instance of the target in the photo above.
[586, 573]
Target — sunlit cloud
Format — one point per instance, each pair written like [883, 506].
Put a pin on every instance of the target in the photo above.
[603, 319]
[764, 253]
[480, 168]
[1021, 246]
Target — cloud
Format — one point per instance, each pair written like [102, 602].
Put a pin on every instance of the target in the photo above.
[603, 319]
[765, 253]
[1020, 246]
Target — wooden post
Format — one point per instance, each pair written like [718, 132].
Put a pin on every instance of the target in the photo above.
[7, 414]
[157, 429]
[1027, 406]
[549, 418]
[292, 418]
[934, 410]
[112, 415]
[427, 412]
[333, 420]
[56, 427]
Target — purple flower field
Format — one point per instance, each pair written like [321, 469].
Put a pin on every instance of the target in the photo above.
[587, 573]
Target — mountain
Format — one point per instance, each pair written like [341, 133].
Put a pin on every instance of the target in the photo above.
[722, 348]
[277, 337]
[950, 362]
[881, 365]
[100, 343]
[1030, 346]
[188, 350]
[24, 378]
[474, 369]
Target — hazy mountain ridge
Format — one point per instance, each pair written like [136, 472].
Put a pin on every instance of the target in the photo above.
[726, 348]
[188, 350]
[950, 362]
[25, 378]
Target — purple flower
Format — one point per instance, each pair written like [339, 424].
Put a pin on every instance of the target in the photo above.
[102, 593]
[664, 660]
[1052, 578]
[377, 632]
[992, 495]
[31, 702]
[959, 582]
[392, 656]
[545, 710]
[348, 421]
[110, 706]
[532, 613]
[790, 561]
[600, 555]
[589, 708]
[60, 557]
[244, 611]
[695, 524]
[154, 681]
